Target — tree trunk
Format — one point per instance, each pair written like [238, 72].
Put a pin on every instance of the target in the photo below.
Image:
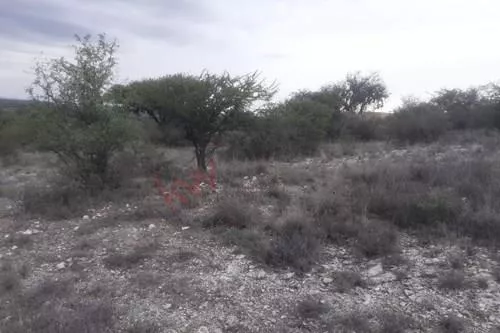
[200, 152]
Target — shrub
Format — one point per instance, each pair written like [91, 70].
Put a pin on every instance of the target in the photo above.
[74, 121]
[296, 244]
[416, 122]
[311, 308]
[452, 324]
[361, 127]
[452, 280]
[377, 238]
[347, 280]
[58, 200]
[230, 213]
[287, 130]
[452, 195]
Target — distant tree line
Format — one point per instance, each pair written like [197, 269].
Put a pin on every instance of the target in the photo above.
[86, 119]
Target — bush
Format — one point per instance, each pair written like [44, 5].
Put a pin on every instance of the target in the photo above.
[361, 127]
[291, 129]
[416, 122]
[311, 308]
[296, 244]
[87, 151]
[377, 238]
[452, 195]
[230, 213]
[58, 200]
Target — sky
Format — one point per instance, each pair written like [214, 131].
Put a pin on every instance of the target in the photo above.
[417, 47]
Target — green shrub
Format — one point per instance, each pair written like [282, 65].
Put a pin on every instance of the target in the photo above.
[417, 122]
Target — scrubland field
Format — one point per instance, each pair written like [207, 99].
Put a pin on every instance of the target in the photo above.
[175, 204]
[363, 237]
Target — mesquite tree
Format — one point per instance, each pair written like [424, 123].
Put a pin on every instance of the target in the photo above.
[204, 106]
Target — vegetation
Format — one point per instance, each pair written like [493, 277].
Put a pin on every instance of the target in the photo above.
[426, 171]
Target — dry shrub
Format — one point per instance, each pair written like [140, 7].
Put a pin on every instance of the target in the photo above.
[451, 324]
[452, 280]
[347, 280]
[457, 195]
[296, 244]
[231, 213]
[377, 238]
[311, 308]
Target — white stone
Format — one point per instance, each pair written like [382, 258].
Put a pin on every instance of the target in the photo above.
[151, 226]
[76, 228]
[86, 217]
[260, 274]
[376, 270]
[185, 228]
[61, 265]
[14, 247]
[27, 232]
[327, 280]
[232, 320]
[288, 276]
[203, 329]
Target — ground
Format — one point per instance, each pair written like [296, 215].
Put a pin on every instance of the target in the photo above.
[118, 268]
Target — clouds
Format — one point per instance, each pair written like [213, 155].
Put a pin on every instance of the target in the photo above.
[417, 47]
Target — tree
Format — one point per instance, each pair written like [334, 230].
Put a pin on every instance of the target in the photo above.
[356, 94]
[204, 106]
[76, 123]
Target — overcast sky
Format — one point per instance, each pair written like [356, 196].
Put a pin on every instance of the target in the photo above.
[416, 46]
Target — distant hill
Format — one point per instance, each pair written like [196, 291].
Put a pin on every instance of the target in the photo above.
[10, 104]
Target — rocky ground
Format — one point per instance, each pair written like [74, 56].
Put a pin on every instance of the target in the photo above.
[168, 274]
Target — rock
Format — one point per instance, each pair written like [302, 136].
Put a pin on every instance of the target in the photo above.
[185, 228]
[168, 306]
[14, 247]
[27, 232]
[86, 217]
[254, 179]
[260, 275]
[233, 269]
[375, 270]
[386, 277]
[151, 226]
[76, 228]
[61, 265]
[203, 329]
[327, 280]
[246, 178]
